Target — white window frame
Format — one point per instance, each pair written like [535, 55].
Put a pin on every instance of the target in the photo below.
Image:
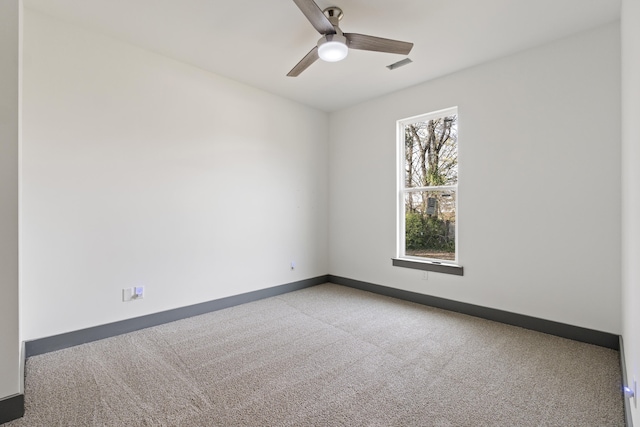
[403, 260]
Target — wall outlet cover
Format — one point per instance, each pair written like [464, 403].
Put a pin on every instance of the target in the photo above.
[132, 294]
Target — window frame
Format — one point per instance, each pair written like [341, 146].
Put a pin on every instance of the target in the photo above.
[402, 259]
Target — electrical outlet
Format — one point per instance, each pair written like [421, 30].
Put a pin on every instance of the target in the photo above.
[425, 275]
[132, 294]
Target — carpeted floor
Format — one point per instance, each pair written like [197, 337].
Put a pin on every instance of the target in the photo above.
[326, 356]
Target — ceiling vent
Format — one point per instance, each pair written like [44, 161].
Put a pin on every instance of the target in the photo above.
[399, 64]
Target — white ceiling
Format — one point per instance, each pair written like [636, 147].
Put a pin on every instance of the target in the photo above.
[257, 42]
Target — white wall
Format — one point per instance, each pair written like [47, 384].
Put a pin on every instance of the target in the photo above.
[140, 170]
[630, 23]
[539, 195]
[9, 160]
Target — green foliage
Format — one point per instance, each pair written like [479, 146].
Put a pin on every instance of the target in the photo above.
[427, 232]
[415, 230]
[434, 177]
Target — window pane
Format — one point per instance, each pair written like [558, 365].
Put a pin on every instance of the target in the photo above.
[430, 224]
[431, 152]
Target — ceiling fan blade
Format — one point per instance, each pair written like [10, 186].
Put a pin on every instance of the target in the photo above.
[304, 63]
[315, 16]
[377, 44]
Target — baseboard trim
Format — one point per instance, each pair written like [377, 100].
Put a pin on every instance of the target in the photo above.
[628, 422]
[83, 336]
[11, 408]
[590, 336]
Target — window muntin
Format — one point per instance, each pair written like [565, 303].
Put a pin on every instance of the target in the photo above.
[428, 183]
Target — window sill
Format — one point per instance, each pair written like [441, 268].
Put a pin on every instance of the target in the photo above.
[438, 267]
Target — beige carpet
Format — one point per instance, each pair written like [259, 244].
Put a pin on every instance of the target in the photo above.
[326, 356]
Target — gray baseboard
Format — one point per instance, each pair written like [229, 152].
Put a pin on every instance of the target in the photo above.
[627, 400]
[83, 336]
[590, 336]
[11, 408]
[70, 339]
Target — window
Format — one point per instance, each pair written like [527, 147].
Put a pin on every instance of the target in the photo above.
[427, 192]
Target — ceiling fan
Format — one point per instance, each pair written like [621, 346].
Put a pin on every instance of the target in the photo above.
[334, 44]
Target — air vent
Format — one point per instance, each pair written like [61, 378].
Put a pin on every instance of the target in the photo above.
[399, 64]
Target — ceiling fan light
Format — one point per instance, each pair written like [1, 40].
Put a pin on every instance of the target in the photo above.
[333, 48]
